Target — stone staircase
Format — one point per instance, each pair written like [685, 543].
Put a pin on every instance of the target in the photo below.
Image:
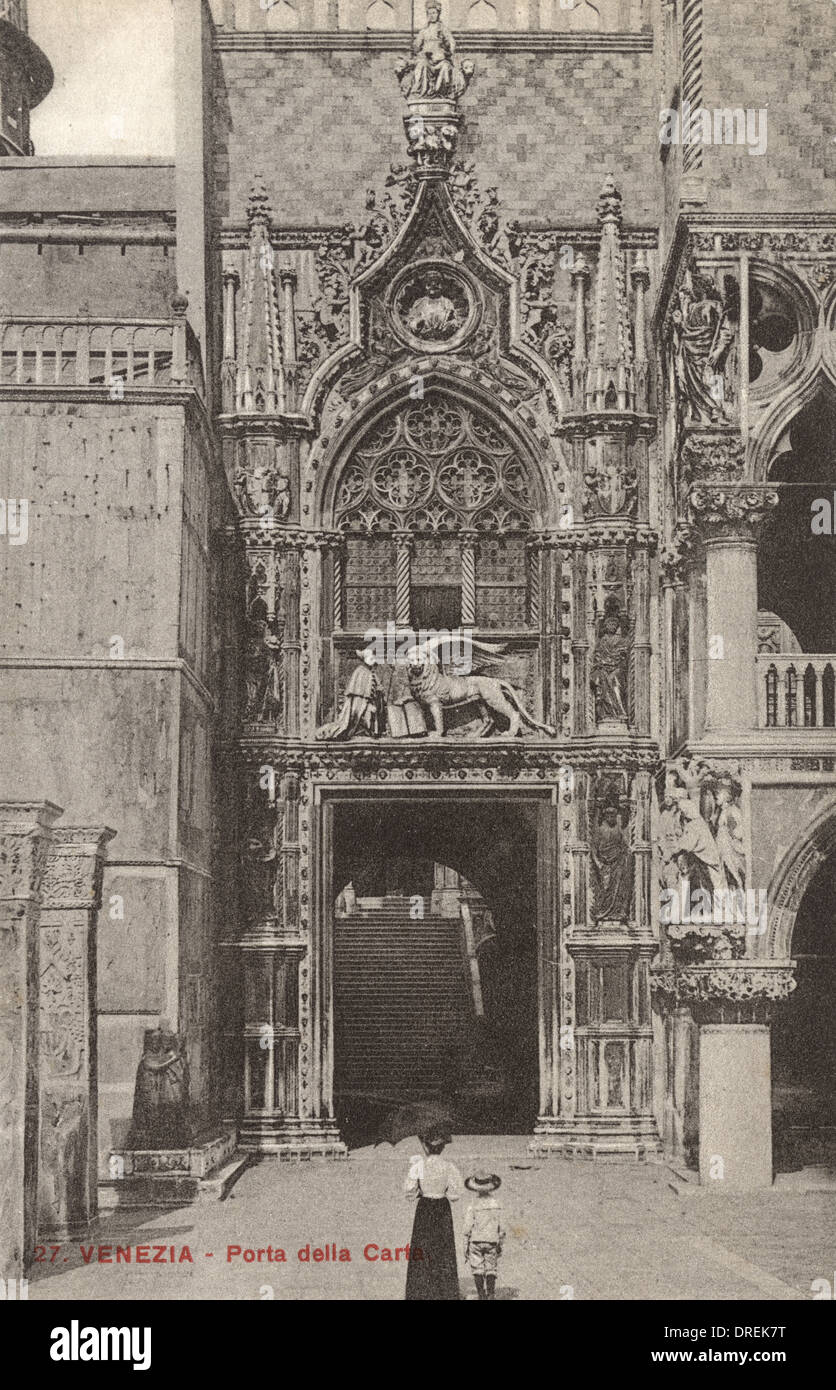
[402, 1005]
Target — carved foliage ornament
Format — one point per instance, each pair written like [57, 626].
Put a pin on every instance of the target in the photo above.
[720, 512]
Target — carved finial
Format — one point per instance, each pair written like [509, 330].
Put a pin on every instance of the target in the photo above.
[609, 202]
[258, 203]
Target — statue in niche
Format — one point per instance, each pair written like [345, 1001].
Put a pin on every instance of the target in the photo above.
[704, 329]
[161, 1097]
[362, 710]
[264, 676]
[611, 866]
[434, 71]
[610, 664]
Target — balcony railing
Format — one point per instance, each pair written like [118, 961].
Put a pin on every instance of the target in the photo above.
[150, 353]
[797, 691]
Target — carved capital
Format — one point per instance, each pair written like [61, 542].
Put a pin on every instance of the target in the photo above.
[730, 513]
[734, 991]
[25, 832]
[74, 865]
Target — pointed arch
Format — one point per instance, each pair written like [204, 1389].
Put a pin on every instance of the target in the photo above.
[476, 398]
[793, 876]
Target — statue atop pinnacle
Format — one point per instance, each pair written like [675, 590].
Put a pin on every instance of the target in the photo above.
[432, 81]
[434, 70]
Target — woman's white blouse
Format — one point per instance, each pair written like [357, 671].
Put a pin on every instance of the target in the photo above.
[433, 1176]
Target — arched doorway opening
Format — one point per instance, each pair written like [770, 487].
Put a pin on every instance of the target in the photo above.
[804, 1035]
[435, 963]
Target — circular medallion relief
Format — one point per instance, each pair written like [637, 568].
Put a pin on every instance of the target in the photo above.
[433, 306]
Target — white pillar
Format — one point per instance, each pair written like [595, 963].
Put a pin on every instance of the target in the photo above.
[731, 568]
[735, 1107]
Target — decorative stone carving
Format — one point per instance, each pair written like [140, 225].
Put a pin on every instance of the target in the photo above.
[435, 466]
[67, 1189]
[721, 513]
[712, 457]
[376, 705]
[261, 877]
[161, 1118]
[261, 487]
[736, 983]
[704, 330]
[611, 480]
[678, 554]
[610, 664]
[701, 828]
[432, 82]
[493, 696]
[611, 861]
[361, 712]
[263, 645]
[435, 70]
[433, 307]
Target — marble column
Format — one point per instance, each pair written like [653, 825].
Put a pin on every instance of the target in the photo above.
[67, 1181]
[25, 833]
[728, 517]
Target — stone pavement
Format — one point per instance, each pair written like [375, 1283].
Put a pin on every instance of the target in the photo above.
[588, 1230]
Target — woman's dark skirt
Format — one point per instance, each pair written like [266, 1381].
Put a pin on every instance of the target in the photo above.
[434, 1276]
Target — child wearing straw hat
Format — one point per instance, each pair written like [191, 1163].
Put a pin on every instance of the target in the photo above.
[484, 1232]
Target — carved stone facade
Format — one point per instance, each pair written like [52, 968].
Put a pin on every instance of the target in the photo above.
[442, 477]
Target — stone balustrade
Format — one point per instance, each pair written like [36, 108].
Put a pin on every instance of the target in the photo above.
[796, 691]
[110, 355]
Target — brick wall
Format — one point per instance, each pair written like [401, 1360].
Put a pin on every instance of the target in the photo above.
[543, 127]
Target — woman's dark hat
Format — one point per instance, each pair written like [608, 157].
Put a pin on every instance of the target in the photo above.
[483, 1181]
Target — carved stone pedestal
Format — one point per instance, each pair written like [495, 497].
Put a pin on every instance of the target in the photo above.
[205, 1171]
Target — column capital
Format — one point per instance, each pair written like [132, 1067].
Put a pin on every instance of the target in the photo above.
[724, 991]
[25, 833]
[730, 513]
[73, 875]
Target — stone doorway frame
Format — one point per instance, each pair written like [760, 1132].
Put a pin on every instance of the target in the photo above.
[547, 923]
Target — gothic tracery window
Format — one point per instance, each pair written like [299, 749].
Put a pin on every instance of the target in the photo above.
[435, 503]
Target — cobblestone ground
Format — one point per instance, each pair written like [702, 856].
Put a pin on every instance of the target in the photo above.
[575, 1229]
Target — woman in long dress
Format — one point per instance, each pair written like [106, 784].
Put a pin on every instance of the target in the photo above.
[432, 1273]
